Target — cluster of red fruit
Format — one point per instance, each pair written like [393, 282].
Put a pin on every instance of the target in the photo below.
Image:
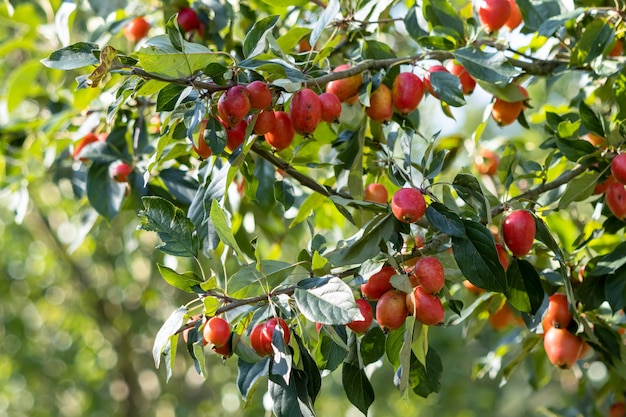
[614, 187]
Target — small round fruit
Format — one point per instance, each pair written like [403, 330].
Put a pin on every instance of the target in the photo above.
[120, 171]
[265, 121]
[188, 19]
[562, 347]
[257, 340]
[222, 350]
[429, 274]
[216, 331]
[361, 326]
[381, 105]
[136, 29]
[345, 88]
[378, 284]
[493, 14]
[260, 95]
[391, 310]
[84, 141]
[331, 107]
[615, 198]
[486, 162]
[234, 105]
[515, 18]
[505, 112]
[557, 314]
[426, 308]
[503, 256]
[305, 111]
[282, 134]
[408, 205]
[618, 168]
[468, 83]
[268, 333]
[502, 318]
[518, 232]
[407, 92]
[427, 84]
[376, 193]
[235, 135]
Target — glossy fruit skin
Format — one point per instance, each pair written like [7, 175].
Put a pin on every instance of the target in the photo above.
[136, 29]
[503, 256]
[426, 308]
[618, 168]
[562, 347]
[84, 141]
[265, 121]
[486, 162]
[615, 198]
[518, 232]
[504, 112]
[268, 332]
[617, 409]
[235, 135]
[260, 95]
[120, 171]
[216, 331]
[468, 83]
[429, 274]
[345, 88]
[257, 341]
[202, 150]
[381, 105]
[515, 18]
[281, 136]
[407, 92]
[361, 326]
[427, 84]
[493, 14]
[391, 310]
[331, 107]
[408, 205]
[305, 111]
[557, 314]
[188, 19]
[376, 193]
[234, 105]
[378, 284]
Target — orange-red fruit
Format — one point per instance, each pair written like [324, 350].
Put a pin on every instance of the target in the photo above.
[84, 141]
[518, 232]
[468, 83]
[427, 84]
[345, 88]
[223, 350]
[188, 19]
[378, 284]
[515, 18]
[216, 331]
[615, 198]
[486, 162]
[202, 150]
[282, 134]
[305, 111]
[617, 49]
[407, 92]
[562, 347]
[265, 121]
[408, 205]
[617, 409]
[557, 314]
[331, 107]
[381, 105]
[260, 95]
[257, 340]
[234, 105]
[472, 288]
[120, 171]
[428, 273]
[504, 112]
[391, 310]
[501, 319]
[493, 14]
[136, 29]
[595, 140]
[268, 332]
[376, 193]
[235, 135]
[426, 308]
[361, 326]
[503, 256]
[618, 168]
[601, 187]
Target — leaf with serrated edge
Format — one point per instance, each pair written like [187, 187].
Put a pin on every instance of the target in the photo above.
[172, 226]
[330, 303]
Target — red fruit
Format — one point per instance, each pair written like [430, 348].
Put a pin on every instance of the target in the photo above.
[318, 326]
[562, 347]
[381, 105]
[472, 288]
[391, 310]
[615, 198]
[407, 92]
[487, 162]
[186, 331]
[268, 332]
[361, 326]
[216, 331]
[501, 319]
[557, 314]
[617, 49]
[258, 341]
[376, 193]
[595, 140]
[617, 409]
[408, 205]
[515, 18]
[378, 284]
[493, 14]
[428, 273]
[600, 188]
[505, 112]
[136, 29]
[331, 107]
[84, 141]
[503, 256]
[427, 85]
[265, 121]
[222, 350]
[618, 168]
[345, 88]
[282, 134]
[234, 105]
[235, 135]
[305, 111]
[426, 308]
[120, 171]
[467, 82]
[188, 19]
[260, 95]
[203, 150]
[518, 232]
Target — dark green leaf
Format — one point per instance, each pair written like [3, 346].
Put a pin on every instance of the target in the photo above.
[78, 55]
[470, 191]
[211, 188]
[168, 97]
[615, 289]
[329, 355]
[436, 164]
[574, 150]
[372, 345]
[174, 229]
[275, 66]
[448, 88]
[314, 378]
[579, 189]
[171, 325]
[492, 67]
[619, 93]
[591, 292]
[174, 33]
[442, 13]
[284, 193]
[535, 13]
[411, 22]
[290, 399]
[611, 262]
[186, 281]
[598, 35]
[105, 195]
[249, 374]
[543, 235]
[377, 50]
[264, 174]
[355, 383]
[330, 303]
[590, 119]
[426, 379]
[551, 25]
[524, 290]
[444, 220]
[254, 43]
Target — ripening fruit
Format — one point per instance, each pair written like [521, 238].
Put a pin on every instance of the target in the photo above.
[595, 140]
[376, 193]
[407, 92]
[234, 105]
[305, 111]
[502, 318]
[331, 107]
[260, 95]
[268, 332]
[282, 134]
[391, 310]
[361, 326]
[203, 150]
[518, 232]
[408, 205]
[426, 308]
[618, 48]
[235, 135]
[486, 162]
[378, 284]
[82, 142]
[188, 19]
[505, 112]
[120, 171]
[503, 256]
[187, 330]
[472, 288]
[427, 84]
[615, 198]
[515, 18]
[223, 350]
[381, 105]
[562, 347]
[618, 168]
[617, 409]
[216, 331]
[345, 88]
[493, 14]
[557, 314]
[257, 340]
[265, 121]
[468, 83]
[601, 187]
[428, 273]
[136, 29]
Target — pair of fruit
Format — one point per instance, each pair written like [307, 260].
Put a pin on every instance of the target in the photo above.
[262, 334]
[404, 96]
[495, 14]
[215, 332]
[615, 192]
[468, 83]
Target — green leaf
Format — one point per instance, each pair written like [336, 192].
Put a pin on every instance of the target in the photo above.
[259, 278]
[448, 88]
[611, 262]
[426, 378]
[274, 66]
[249, 374]
[223, 228]
[619, 93]
[524, 290]
[470, 191]
[590, 119]
[105, 195]
[579, 189]
[377, 50]
[331, 349]
[327, 16]
[591, 292]
[174, 33]
[444, 220]
[551, 25]
[355, 382]
[71, 57]
[290, 40]
[160, 57]
[372, 345]
[284, 193]
[543, 235]
[598, 35]
[186, 281]
[442, 13]
[174, 229]
[290, 399]
[327, 301]
[411, 22]
[536, 13]
[393, 345]
[168, 97]
[487, 66]
[170, 327]
[254, 43]
[309, 367]
[615, 289]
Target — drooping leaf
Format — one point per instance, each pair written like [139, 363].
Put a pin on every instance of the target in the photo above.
[331, 349]
[71, 57]
[249, 374]
[223, 228]
[425, 379]
[105, 195]
[314, 378]
[254, 43]
[470, 191]
[171, 325]
[355, 382]
[327, 301]
[327, 16]
[615, 289]
[372, 345]
[291, 399]
[524, 290]
[186, 281]
[444, 220]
